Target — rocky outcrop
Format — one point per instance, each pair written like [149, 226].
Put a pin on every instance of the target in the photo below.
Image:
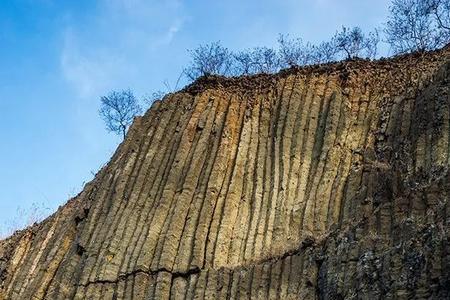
[326, 182]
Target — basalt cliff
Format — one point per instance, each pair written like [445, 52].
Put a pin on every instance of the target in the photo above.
[322, 182]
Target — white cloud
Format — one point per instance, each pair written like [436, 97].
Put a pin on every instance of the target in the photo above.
[88, 74]
[171, 32]
[116, 40]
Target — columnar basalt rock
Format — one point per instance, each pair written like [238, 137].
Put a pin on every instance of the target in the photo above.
[325, 182]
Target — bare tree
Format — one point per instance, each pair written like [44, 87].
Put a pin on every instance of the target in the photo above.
[309, 54]
[371, 42]
[118, 109]
[325, 52]
[291, 50]
[350, 41]
[243, 63]
[440, 9]
[265, 60]
[413, 25]
[209, 59]
[294, 53]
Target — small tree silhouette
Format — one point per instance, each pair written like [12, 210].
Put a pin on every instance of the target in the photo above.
[440, 9]
[265, 60]
[209, 59]
[243, 63]
[371, 44]
[325, 52]
[292, 51]
[118, 109]
[418, 25]
[350, 41]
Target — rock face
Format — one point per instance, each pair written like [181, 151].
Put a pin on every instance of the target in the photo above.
[328, 182]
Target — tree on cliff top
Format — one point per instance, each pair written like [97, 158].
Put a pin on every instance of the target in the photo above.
[352, 42]
[293, 52]
[118, 109]
[209, 59]
[418, 25]
[412, 25]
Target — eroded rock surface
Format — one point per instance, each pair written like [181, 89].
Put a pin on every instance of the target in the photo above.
[328, 182]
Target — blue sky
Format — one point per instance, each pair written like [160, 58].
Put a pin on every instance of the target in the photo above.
[58, 57]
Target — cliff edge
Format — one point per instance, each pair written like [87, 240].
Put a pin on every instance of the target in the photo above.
[324, 182]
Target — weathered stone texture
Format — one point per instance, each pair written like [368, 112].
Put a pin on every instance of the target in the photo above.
[328, 182]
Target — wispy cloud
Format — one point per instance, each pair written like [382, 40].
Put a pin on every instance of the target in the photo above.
[87, 73]
[106, 51]
[173, 29]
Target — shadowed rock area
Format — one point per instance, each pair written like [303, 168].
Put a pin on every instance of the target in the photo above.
[324, 182]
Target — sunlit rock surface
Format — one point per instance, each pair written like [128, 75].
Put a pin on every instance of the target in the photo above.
[325, 182]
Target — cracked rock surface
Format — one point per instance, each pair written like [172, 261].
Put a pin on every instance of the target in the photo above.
[323, 182]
